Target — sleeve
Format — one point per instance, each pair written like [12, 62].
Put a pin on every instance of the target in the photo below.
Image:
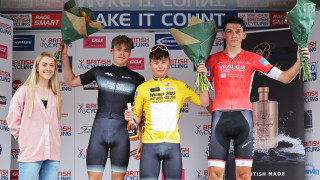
[192, 96]
[274, 73]
[88, 77]
[263, 65]
[138, 102]
[209, 68]
[15, 112]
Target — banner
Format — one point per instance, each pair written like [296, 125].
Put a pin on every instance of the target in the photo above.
[6, 32]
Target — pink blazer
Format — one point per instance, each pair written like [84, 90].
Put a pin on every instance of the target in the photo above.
[38, 136]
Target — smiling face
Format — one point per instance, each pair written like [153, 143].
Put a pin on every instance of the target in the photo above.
[121, 54]
[160, 67]
[233, 35]
[46, 68]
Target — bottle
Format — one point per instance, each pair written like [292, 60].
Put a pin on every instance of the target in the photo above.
[265, 118]
[132, 127]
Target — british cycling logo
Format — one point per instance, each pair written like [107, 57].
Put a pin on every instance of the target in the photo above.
[312, 46]
[51, 42]
[5, 29]
[203, 130]
[23, 42]
[179, 63]
[82, 153]
[312, 146]
[64, 175]
[91, 63]
[64, 87]
[202, 174]
[167, 40]
[311, 96]
[87, 108]
[60, 65]
[5, 76]
[15, 153]
[185, 108]
[4, 174]
[141, 41]
[185, 152]
[65, 131]
[313, 70]
[4, 125]
[132, 175]
[22, 64]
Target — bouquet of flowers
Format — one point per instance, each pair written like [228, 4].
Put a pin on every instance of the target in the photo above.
[301, 19]
[196, 41]
[76, 23]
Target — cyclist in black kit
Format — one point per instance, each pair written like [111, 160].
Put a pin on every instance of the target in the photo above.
[116, 87]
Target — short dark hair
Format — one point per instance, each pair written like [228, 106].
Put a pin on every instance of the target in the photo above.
[122, 39]
[233, 20]
[158, 54]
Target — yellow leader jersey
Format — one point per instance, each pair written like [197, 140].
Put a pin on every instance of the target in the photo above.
[160, 100]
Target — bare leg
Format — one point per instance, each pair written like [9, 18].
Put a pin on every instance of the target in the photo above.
[117, 176]
[243, 172]
[215, 173]
[95, 175]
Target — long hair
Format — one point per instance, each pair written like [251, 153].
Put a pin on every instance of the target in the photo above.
[33, 79]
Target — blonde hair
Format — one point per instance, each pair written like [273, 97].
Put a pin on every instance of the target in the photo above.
[53, 83]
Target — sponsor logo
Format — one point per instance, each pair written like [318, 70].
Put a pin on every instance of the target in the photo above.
[167, 40]
[307, 119]
[141, 42]
[5, 29]
[223, 75]
[218, 41]
[23, 42]
[82, 153]
[312, 46]
[91, 86]
[4, 125]
[185, 108]
[312, 146]
[85, 130]
[278, 20]
[232, 67]
[21, 20]
[46, 20]
[203, 130]
[155, 89]
[91, 63]
[185, 152]
[95, 42]
[264, 62]
[51, 42]
[3, 100]
[136, 63]
[64, 87]
[256, 19]
[87, 108]
[3, 52]
[202, 174]
[4, 76]
[4, 174]
[204, 113]
[22, 64]
[14, 174]
[15, 85]
[65, 131]
[313, 70]
[311, 96]
[311, 171]
[179, 63]
[64, 175]
[15, 153]
[64, 115]
[132, 175]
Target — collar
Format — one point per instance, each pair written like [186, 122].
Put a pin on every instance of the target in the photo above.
[156, 78]
[236, 57]
[115, 67]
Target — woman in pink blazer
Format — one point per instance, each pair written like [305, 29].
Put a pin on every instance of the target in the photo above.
[34, 121]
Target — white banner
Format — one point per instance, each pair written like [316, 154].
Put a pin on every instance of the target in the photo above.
[6, 33]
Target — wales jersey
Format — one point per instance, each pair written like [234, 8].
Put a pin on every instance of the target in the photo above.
[159, 101]
[233, 78]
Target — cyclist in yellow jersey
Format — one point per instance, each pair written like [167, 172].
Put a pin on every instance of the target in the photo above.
[159, 102]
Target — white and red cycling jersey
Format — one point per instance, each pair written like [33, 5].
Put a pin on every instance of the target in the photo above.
[233, 78]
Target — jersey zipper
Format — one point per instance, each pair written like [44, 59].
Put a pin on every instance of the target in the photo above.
[114, 91]
[231, 83]
[162, 91]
